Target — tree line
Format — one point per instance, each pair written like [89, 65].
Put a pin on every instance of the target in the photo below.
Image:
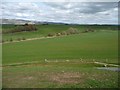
[21, 28]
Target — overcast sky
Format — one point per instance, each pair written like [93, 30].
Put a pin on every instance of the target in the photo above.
[67, 12]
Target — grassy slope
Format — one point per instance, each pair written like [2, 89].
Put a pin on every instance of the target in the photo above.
[97, 45]
[44, 30]
[58, 75]
[73, 74]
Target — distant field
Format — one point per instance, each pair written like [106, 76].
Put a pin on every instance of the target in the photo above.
[44, 30]
[63, 61]
[95, 45]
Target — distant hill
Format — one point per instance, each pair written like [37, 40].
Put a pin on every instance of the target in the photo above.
[15, 21]
[20, 21]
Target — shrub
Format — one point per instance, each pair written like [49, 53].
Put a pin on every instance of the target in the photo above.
[2, 41]
[92, 30]
[72, 31]
[20, 28]
[11, 39]
[68, 33]
[85, 31]
[30, 27]
[58, 34]
[88, 30]
[23, 38]
[51, 34]
[63, 33]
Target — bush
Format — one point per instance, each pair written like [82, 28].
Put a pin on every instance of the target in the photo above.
[20, 28]
[88, 30]
[23, 38]
[63, 33]
[72, 31]
[51, 34]
[11, 40]
[68, 33]
[30, 27]
[2, 41]
[92, 30]
[85, 31]
[58, 34]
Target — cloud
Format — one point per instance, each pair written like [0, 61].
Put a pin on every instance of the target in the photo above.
[83, 7]
[70, 12]
[60, 1]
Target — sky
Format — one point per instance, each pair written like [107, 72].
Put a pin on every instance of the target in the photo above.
[66, 12]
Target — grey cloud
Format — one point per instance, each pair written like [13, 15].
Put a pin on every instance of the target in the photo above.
[99, 7]
[83, 7]
[82, 12]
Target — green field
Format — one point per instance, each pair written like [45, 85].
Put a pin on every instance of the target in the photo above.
[44, 30]
[63, 61]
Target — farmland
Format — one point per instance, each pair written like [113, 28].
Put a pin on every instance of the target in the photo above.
[65, 61]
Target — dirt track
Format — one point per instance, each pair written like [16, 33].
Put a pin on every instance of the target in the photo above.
[29, 39]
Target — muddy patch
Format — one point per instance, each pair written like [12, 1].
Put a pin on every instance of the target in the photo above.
[67, 78]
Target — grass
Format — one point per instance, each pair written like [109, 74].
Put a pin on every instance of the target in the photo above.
[60, 62]
[58, 75]
[87, 46]
[44, 30]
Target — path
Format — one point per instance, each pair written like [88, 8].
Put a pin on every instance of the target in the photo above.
[106, 64]
[29, 39]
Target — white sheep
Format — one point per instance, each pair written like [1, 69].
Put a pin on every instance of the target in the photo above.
[67, 60]
[46, 60]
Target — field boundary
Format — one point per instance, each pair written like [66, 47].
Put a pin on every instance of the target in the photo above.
[56, 61]
[106, 64]
[29, 39]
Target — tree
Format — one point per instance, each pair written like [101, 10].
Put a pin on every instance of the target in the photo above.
[72, 31]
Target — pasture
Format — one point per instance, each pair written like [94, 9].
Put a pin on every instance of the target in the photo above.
[66, 61]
